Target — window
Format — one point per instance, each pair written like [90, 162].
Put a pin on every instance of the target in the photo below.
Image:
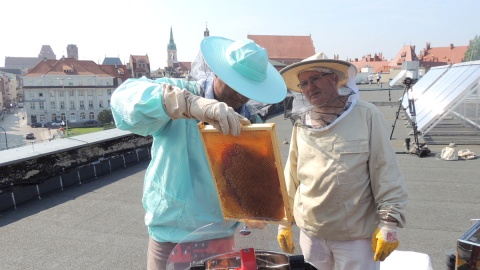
[108, 103]
[82, 116]
[109, 92]
[31, 94]
[42, 118]
[62, 104]
[90, 104]
[72, 93]
[82, 104]
[62, 117]
[91, 116]
[72, 117]
[72, 104]
[80, 92]
[100, 92]
[54, 117]
[52, 104]
[52, 93]
[32, 105]
[90, 92]
[62, 93]
[100, 103]
[40, 94]
[41, 105]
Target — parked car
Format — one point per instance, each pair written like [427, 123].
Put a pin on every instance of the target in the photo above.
[30, 136]
[36, 124]
[92, 123]
[56, 123]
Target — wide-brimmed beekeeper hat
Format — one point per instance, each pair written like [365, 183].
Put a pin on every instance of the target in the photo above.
[343, 69]
[243, 65]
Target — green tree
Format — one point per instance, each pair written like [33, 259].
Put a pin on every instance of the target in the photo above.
[105, 116]
[473, 51]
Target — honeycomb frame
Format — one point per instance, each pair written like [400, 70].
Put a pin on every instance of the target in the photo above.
[255, 152]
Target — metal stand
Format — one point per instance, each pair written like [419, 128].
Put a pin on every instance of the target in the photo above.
[399, 108]
[420, 150]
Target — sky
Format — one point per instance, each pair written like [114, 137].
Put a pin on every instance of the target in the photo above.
[120, 28]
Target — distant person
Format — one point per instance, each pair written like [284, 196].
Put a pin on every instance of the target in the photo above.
[179, 194]
[343, 179]
[378, 77]
[370, 78]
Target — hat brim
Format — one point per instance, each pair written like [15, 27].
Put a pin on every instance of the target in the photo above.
[271, 90]
[290, 73]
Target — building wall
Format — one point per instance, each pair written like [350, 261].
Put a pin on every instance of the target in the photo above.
[73, 98]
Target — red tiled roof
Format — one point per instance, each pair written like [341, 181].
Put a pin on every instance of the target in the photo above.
[71, 65]
[447, 55]
[185, 66]
[117, 71]
[407, 53]
[136, 58]
[378, 66]
[377, 62]
[285, 48]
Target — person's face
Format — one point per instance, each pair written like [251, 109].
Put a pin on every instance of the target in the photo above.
[319, 88]
[225, 93]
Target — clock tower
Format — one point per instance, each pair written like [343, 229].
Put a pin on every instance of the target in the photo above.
[72, 51]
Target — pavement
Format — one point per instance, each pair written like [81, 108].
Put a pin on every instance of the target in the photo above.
[15, 125]
[99, 224]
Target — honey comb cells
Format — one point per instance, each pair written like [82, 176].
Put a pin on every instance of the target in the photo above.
[246, 176]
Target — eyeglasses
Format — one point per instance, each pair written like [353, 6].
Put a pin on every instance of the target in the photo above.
[315, 80]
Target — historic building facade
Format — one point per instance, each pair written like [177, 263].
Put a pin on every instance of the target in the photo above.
[69, 90]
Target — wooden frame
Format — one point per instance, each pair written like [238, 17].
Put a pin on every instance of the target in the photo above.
[248, 173]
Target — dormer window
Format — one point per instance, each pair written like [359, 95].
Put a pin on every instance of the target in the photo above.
[68, 69]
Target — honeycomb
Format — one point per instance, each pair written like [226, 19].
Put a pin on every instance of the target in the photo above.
[246, 170]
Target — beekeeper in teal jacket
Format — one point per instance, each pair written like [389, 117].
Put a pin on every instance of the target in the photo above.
[179, 195]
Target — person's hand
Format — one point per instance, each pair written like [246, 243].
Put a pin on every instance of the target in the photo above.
[384, 240]
[180, 103]
[285, 239]
[219, 115]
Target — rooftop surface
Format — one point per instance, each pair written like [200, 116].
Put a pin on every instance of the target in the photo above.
[99, 224]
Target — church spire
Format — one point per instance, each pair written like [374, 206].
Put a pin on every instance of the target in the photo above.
[206, 33]
[171, 43]
[171, 51]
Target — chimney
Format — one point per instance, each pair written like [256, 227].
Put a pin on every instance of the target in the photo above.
[427, 48]
[356, 59]
[451, 46]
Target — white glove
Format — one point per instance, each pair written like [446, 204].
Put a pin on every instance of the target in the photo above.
[183, 104]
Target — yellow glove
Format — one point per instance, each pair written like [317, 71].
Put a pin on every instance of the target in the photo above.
[384, 240]
[285, 239]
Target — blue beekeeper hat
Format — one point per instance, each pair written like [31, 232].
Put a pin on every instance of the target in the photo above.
[243, 65]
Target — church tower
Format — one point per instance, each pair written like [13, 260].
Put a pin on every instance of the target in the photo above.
[206, 33]
[72, 51]
[171, 51]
